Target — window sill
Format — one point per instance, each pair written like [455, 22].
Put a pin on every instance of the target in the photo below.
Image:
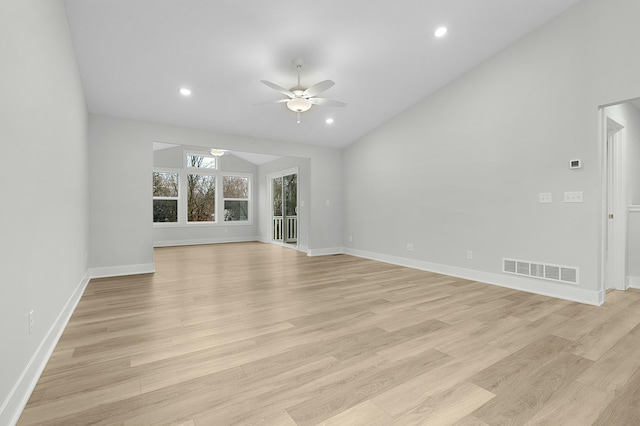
[201, 224]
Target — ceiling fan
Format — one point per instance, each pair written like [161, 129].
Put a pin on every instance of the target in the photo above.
[299, 98]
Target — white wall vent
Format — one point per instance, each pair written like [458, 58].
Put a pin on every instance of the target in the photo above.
[559, 273]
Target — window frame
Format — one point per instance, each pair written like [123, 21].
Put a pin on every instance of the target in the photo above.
[154, 198]
[190, 171]
[248, 199]
[187, 153]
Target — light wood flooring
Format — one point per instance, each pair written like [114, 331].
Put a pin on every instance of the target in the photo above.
[253, 333]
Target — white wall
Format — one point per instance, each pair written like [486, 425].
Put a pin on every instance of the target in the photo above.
[120, 205]
[173, 234]
[462, 169]
[264, 208]
[121, 161]
[43, 167]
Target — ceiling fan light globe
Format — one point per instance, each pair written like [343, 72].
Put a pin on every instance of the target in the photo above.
[299, 105]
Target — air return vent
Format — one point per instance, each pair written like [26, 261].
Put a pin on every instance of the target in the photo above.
[564, 274]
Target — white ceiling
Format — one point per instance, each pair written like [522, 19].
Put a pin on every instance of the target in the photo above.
[134, 55]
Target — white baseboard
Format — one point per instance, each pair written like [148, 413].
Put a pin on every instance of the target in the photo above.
[17, 399]
[300, 248]
[325, 251]
[529, 285]
[173, 243]
[117, 271]
[633, 282]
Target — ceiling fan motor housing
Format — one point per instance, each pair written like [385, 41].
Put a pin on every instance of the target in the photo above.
[299, 104]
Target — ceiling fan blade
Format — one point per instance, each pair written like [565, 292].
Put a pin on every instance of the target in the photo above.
[316, 89]
[278, 88]
[273, 102]
[327, 102]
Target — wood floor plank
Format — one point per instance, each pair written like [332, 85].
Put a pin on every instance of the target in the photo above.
[415, 391]
[277, 398]
[447, 407]
[523, 398]
[429, 340]
[568, 407]
[605, 335]
[41, 414]
[625, 408]
[479, 337]
[252, 333]
[613, 370]
[521, 365]
[470, 421]
[364, 414]
[517, 338]
[327, 404]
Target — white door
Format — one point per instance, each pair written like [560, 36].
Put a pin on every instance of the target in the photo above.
[615, 239]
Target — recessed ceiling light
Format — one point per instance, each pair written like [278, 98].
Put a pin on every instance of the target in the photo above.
[185, 92]
[329, 121]
[440, 32]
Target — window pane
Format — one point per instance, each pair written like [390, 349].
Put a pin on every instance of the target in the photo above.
[236, 210]
[276, 190]
[201, 161]
[201, 198]
[235, 187]
[165, 211]
[291, 194]
[165, 184]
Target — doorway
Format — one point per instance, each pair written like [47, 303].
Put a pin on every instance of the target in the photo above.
[284, 207]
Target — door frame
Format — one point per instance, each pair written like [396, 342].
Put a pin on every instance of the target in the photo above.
[613, 232]
[270, 177]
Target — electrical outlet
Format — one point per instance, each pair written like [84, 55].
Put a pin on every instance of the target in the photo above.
[350, 238]
[544, 198]
[573, 197]
[30, 321]
[409, 247]
[469, 254]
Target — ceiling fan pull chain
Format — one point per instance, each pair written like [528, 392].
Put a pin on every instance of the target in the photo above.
[298, 117]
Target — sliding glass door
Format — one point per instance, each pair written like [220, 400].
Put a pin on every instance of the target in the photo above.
[284, 208]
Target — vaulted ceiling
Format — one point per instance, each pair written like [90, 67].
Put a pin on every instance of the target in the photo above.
[135, 55]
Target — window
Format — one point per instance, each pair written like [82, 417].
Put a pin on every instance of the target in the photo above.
[201, 161]
[201, 198]
[199, 194]
[165, 197]
[236, 198]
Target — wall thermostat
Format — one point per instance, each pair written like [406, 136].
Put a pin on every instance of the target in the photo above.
[575, 164]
